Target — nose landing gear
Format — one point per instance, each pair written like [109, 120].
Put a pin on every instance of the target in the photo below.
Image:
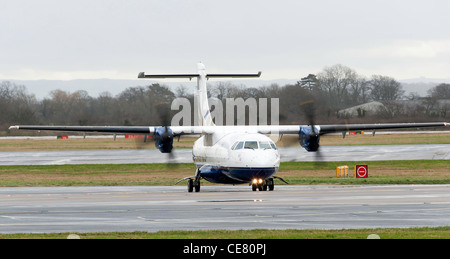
[263, 185]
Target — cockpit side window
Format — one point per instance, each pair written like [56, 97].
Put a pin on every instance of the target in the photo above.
[238, 145]
[251, 145]
[273, 145]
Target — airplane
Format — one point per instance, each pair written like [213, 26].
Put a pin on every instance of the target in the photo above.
[230, 154]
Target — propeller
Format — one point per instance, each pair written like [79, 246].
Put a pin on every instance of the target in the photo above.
[163, 137]
[166, 138]
[313, 136]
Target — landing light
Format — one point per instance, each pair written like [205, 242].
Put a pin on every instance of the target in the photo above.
[258, 181]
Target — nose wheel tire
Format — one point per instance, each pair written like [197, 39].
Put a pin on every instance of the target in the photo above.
[264, 186]
[270, 184]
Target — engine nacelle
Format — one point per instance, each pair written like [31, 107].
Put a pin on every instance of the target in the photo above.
[164, 139]
[309, 139]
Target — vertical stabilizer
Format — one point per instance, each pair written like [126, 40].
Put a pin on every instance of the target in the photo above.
[201, 104]
[204, 114]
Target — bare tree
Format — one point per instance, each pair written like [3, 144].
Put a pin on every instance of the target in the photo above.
[336, 82]
[16, 105]
[441, 91]
[384, 88]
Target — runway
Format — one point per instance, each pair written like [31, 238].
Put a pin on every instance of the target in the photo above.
[105, 209]
[327, 153]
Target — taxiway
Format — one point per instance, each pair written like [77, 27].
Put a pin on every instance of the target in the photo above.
[143, 208]
[327, 153]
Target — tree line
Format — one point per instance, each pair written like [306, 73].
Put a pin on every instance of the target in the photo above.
[332, 89]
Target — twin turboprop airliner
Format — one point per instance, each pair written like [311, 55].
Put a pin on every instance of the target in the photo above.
[230, 154]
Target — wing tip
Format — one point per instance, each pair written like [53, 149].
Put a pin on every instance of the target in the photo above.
[13, 127]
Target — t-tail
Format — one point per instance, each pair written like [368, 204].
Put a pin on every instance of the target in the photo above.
[201, 93]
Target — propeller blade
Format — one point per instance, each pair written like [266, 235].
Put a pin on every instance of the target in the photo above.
[309, 111]
[146, 142]
[164, 113]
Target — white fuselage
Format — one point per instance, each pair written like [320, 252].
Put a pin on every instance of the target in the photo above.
[230, 154]
[232, 157]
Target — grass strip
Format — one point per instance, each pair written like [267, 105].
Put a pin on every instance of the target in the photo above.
[383, 233]
[380, 172]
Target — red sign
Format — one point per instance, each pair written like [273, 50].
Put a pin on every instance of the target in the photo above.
[133, 136]
[361, 171]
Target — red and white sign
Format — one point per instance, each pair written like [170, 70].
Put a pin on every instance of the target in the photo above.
[361, 171]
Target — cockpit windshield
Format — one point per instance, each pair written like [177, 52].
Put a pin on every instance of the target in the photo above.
[264, 145]
[254, 145]
[251, 145]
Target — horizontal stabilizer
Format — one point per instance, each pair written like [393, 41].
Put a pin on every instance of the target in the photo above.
[143, 75]
[190, 76]
[233, 75]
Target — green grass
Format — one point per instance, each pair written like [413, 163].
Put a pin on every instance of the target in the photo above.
[380, 172]
[385, 233]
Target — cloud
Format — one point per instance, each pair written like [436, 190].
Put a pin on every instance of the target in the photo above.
[409, 49]
[285, 39]
[54, 74]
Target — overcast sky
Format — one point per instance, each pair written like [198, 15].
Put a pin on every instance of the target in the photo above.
[85, 39]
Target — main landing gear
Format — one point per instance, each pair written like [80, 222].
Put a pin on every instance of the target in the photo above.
[263, 185]
[193, 185]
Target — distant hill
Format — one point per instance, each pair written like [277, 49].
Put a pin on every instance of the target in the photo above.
[421, 85]
[42, 88]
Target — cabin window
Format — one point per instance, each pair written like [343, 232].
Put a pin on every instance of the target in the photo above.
[251, 145]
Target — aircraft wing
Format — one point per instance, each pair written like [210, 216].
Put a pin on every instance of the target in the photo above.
[192, 130]
[177, 130]
[100, 129]
[324, 129]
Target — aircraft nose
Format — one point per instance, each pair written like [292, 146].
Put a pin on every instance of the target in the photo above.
[264, 158]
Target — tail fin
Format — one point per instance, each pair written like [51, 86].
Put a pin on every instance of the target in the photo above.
[203, 112]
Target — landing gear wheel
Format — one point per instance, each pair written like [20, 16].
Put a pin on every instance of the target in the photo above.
[197, 186]
[260, 187]
[190, 185]
[270, 184]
